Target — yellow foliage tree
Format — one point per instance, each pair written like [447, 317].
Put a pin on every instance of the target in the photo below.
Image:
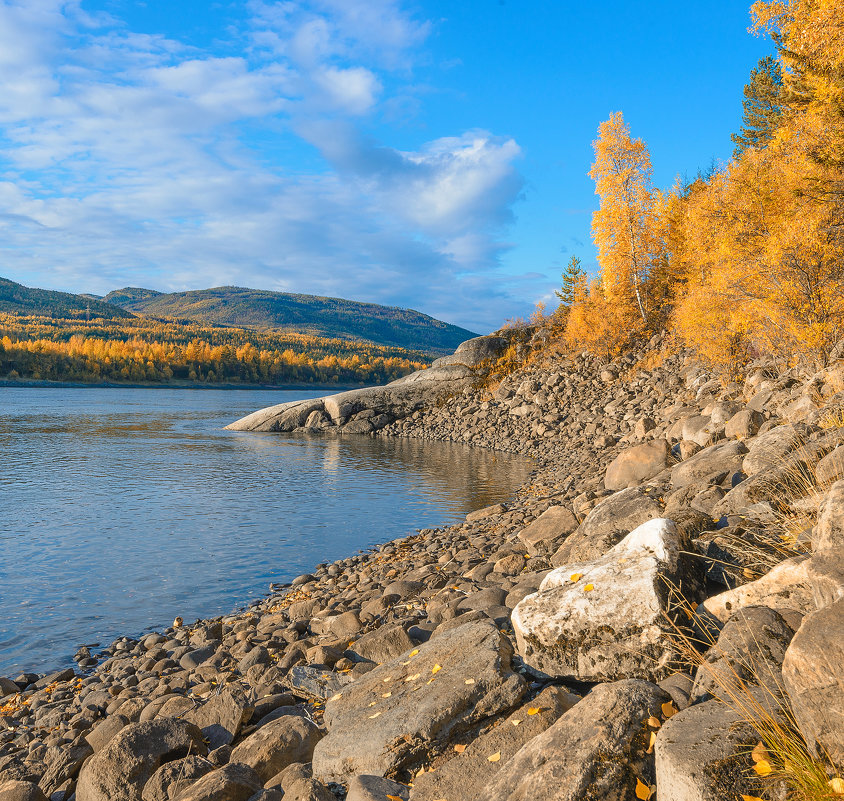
[626, 226]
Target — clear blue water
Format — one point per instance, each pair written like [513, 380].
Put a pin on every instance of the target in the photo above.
[122, 508]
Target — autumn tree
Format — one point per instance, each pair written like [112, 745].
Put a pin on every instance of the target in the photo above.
[762, 106]
[626, 225]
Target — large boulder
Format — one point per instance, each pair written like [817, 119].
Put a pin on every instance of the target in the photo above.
[606, 525]
[234, 782]
[702, 754]
[277, 744]
[813, 672]
[467, 775]
[120, 771]
[552, 525]
[16, 790]
[221, 717]
[749, 650]
[390, 717]
[771, 448]
[786, 588]
[829, 532]
[638, 464]
[173, 777]
[605, 619]
[723, 457]
[597, 750]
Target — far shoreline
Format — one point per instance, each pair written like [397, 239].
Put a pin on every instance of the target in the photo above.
[18, 383]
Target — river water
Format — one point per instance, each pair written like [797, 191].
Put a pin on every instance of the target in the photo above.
[122, 508]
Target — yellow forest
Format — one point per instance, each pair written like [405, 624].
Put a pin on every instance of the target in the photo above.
[745, 261]
[143, 350]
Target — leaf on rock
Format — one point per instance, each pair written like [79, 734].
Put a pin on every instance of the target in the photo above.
[436, 668]
[643, 791]
[763, 767]
[336, 697]
[651, 743]
[534, 710]
[394, 798]
[576, 576]
[495, 757]
[837, 785]
[654, 722]
[469, 681]
[751, 798]
[589, 588]
[459, 748]
[668, 709]
[372, 717]
[515, 721]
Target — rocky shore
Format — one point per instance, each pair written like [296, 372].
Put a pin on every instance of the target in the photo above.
[541, 649]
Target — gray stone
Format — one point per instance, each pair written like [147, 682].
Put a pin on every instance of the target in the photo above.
[552, 525]
[608, 618]
[825, 576]
[376, 788]
[308, 790]
[62, 765]
[770, 449]
[120, 771]
[467, 775]
[720, 458]
[221, 717]
[232, 782]
[316, 683]
[276, 745]
[595, 752]
[830, 468]
[813, 672]
[637, 464]
[749, 650]
[389, 718]
[702, 754]
[100, 736]
[383, 644]
[15, 790]
[743, 424]
[173, 777]
[606, 525]
[829, 532]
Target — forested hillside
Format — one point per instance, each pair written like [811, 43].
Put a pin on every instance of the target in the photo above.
[139, 350]
[19, 299]
[746, 259]
[303, 314]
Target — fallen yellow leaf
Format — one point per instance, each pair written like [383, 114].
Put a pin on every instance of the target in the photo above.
[459, 748]
[668, 709]
[386, 695]
[436, 669]
[414, 652]
[469, 681]
[751, 798]
[763, 767]
[413, 677]
[643, 791]
[372, 717]
[576, 576]
[495, 757]
[837, 785]
[651, 743]
[589, 588]
[336, 697]
[373, 703]
[394, 798]
[534, 710]
[759, 752]
[654, 722]
[515, 721]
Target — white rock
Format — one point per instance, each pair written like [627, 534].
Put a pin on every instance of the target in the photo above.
[616, 628]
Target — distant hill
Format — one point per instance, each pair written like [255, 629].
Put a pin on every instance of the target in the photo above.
[19, 299]
[304, 314]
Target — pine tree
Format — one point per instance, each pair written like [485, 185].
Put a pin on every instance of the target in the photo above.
[574, 283]
[763, 106]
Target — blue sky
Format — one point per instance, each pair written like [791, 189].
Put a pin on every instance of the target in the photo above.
[425, 154]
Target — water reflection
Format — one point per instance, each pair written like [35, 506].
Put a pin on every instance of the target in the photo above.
[123, 508]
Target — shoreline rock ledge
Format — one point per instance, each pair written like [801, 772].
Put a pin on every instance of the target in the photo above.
[361, 411]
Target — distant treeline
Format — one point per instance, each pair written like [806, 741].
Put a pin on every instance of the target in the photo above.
[143, 350]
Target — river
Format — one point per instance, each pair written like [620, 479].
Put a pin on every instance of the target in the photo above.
[122, 508]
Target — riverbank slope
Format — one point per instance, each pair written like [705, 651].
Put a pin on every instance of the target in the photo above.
[538, 649]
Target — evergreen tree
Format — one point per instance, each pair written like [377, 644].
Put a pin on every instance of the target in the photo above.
[574, 283]
[763, 106]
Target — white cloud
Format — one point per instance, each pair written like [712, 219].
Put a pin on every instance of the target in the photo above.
[132, 160]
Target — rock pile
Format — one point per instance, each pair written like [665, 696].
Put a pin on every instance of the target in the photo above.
[532, 651]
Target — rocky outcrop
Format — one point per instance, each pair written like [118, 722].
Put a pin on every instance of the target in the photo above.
[361, 411]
